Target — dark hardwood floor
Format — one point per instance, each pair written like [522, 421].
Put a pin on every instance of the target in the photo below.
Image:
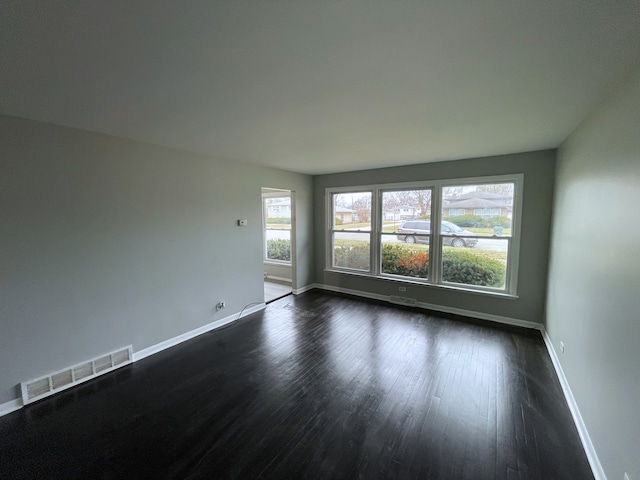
[319, 386]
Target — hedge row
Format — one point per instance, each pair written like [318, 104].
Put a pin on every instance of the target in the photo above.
[464, 266]
[279, 249]
[475, 221]
[279, 221]
[458, 266]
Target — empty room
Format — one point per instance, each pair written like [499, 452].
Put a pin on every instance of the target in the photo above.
[319, 239]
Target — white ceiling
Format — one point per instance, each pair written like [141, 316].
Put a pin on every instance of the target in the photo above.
[318, 86]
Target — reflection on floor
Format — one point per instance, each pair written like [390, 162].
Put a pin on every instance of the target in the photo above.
[274, 290]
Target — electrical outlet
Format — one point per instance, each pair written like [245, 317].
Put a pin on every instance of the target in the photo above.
[402, 289]
[220, 306]
[562, 347]
[242, 222]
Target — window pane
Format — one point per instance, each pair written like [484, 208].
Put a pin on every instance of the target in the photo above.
[481, 210]
[277, 228]
[352, 250]
[406, 259]
[405, 232]
[278, 245]
[484, 265]
[402, 205]
[352, 211]
[277, 213]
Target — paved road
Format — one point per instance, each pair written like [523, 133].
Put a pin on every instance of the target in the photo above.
[483, 243]
[491, 244]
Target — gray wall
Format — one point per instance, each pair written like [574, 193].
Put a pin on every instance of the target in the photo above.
[280, 271]
[594, 276]
[108, 242]
[538, 168]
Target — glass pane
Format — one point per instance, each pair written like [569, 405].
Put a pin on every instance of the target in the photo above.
[352, 211]
[352, 250]
[406, 259]
[277, 213]
[401, 206]
[478, 210]
[484, 265]
[277, 228]
[278, 245]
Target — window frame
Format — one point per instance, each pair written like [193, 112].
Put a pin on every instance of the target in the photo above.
[331, 224]
[265, 207]
[434, 278]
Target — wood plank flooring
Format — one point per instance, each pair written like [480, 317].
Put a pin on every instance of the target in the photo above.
[318, 386]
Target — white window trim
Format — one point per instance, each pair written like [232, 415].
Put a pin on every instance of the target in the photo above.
[435, 247]
[271, 261]
[330, 224]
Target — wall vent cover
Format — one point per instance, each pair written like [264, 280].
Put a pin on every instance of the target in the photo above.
[57, 381]
[403, 300]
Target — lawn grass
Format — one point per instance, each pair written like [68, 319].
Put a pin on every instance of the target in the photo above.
[501, 256]
[279, 226]
[388, 226]
[488, 231]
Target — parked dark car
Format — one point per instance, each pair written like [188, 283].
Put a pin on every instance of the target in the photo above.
[411, 230]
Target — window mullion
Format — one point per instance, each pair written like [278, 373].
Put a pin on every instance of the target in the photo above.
[374, 235]
[329, 239]
[509, 270]
[435, 246]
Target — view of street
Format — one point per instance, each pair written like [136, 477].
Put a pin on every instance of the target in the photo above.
[488, 243]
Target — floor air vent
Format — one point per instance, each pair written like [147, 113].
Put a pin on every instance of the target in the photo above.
[403, 300]
[55, 382]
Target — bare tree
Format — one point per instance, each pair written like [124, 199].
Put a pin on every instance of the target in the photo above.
[362, 206]
[390, 201]
[422, 200]
[418, 199]
[505, 189]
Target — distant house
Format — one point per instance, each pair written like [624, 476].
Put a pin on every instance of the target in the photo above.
[345, 215]
[407, 211]
[402, 212]
[278, 207]
[482, 204]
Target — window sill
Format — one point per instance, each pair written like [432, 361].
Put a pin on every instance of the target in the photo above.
[455, 288]
[280, 263]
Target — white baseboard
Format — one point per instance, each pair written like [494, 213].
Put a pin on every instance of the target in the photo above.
[298, 291]
[438, 308]
[483, 316]
[11, 406]
[592, 456]
[158, 347]
[284, 280]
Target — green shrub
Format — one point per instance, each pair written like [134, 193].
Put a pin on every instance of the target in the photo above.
[279, 221]
[475, 221]
[469, 268]
[351, 254]
[497, 222]
[406, 260]
[458, 266]
[466, 221]
[279, 249]
[338, 221]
